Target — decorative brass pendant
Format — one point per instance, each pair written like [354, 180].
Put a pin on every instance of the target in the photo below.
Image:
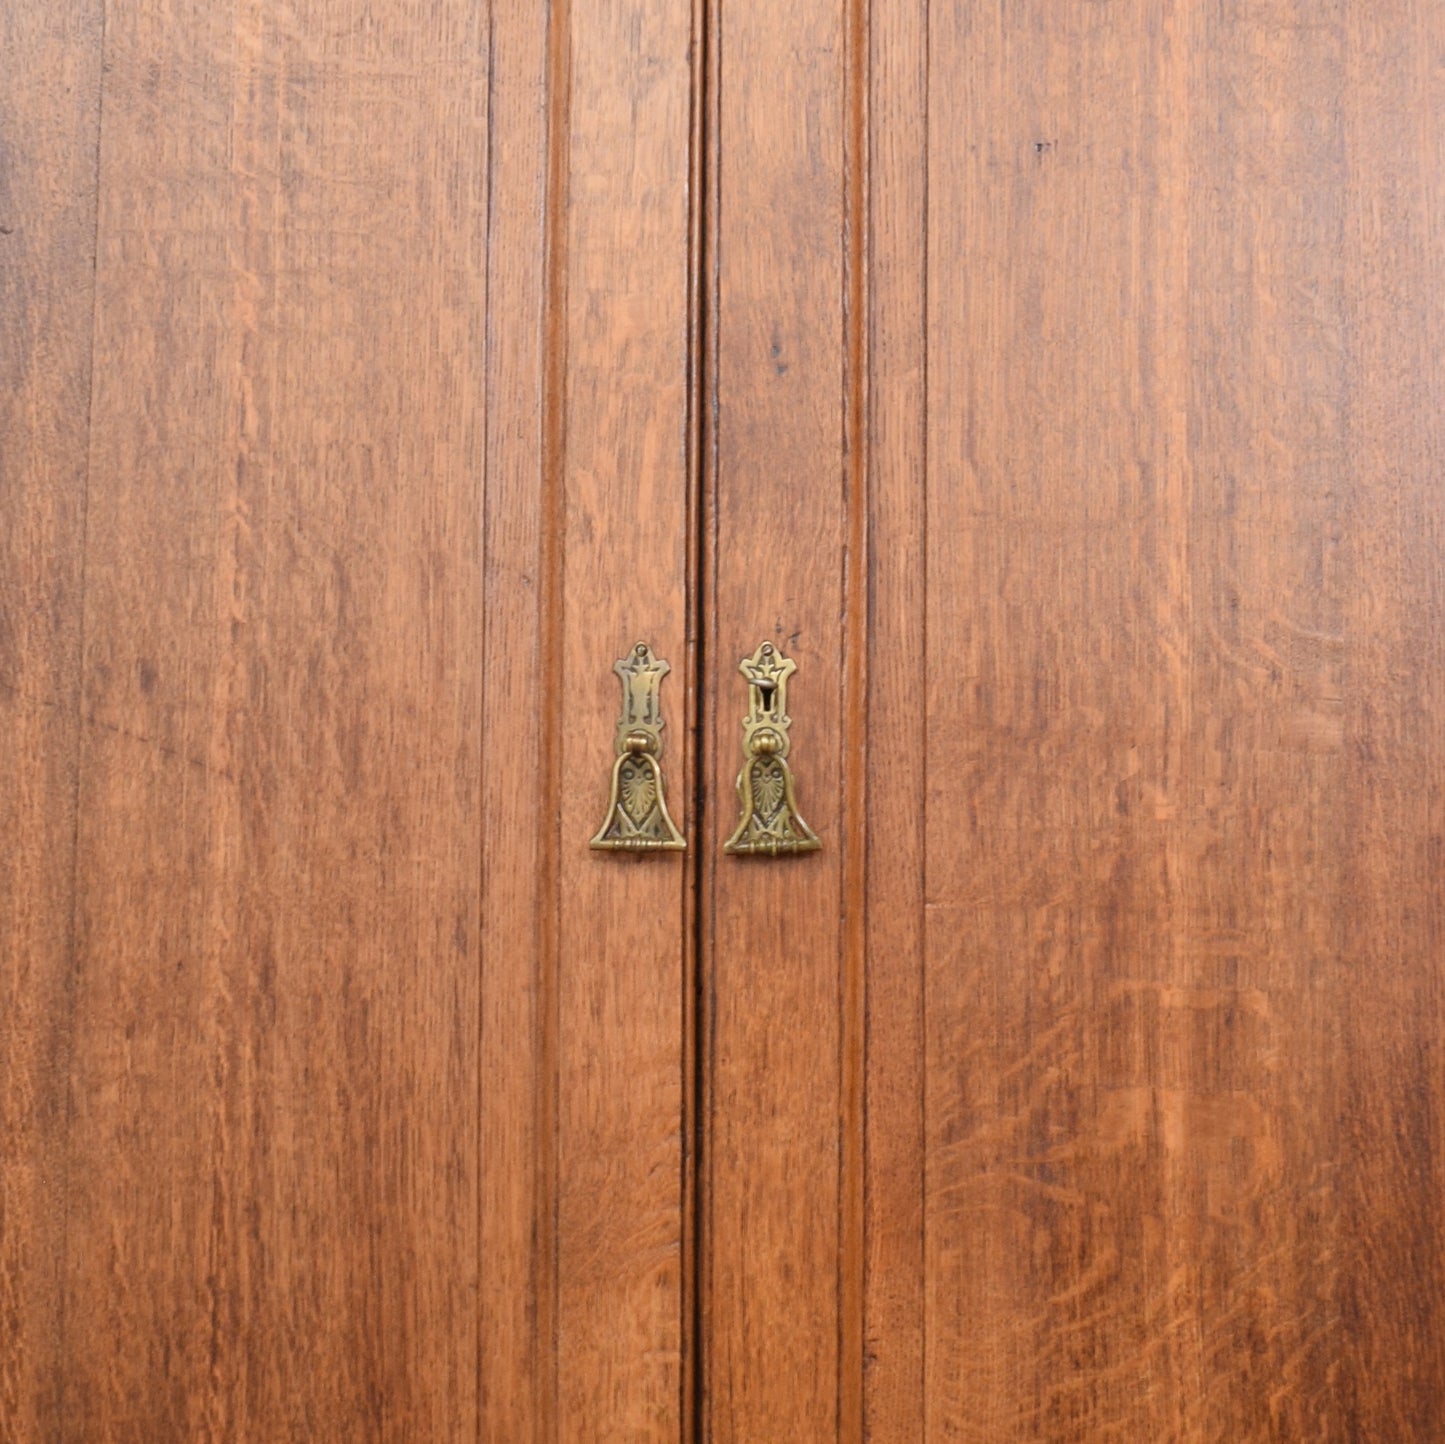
[770, 822]
[637, 816]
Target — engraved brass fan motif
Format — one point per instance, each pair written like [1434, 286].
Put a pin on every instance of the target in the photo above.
[637, 789]
[769, 788]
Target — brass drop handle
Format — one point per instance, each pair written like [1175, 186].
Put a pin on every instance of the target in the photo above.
[770, 822]
[637, 815]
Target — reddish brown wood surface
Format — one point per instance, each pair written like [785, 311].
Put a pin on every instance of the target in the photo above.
[773, 963]
[1389, 1013]
[1153, 978]
[1067, 405]
[896, 727]
[272, 1200]
[376, 1073]
[47, 235]
[1183, 887]
[516, 1332]
[620, 451]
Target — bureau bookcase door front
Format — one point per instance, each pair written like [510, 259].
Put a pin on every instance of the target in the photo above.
[1076, 429]
[1021, 423]
[345, 441]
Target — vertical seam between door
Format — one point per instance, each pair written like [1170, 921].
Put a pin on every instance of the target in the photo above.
[854, 704]
[709, 180]
[484, 538]
[550, 630]
[697, 605]
[923, 890]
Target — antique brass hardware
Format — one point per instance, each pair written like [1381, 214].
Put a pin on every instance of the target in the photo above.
[770, 821]
[637, 816]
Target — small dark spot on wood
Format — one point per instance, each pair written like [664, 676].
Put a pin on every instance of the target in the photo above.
[779, 365]
[1040, 146]
[146, 674]
[7, 230]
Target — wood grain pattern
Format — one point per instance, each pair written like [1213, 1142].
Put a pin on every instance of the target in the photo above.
[1059, 385]
[51, 97]
[390, 436]
[1182, 1093]
[896, 728]
[517, 1298]
[622, 465]
[1390, 1011]
[1154, 932]
[773, 969]
[274, 1173]
[586, 554]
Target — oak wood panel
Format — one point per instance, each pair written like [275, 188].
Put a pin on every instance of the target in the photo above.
[516, 1340]
[622, 325]
[1390, 1290]
[773, 962]
[1183, 964]
[896, 725]
[284, 688]
[49, 123]
[273, 1197]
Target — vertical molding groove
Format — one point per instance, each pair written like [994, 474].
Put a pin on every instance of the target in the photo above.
[926, 553]
[552, 562]
[895, 464]
[854, 710]
[699, 732]
[706, 218]
[484, 542]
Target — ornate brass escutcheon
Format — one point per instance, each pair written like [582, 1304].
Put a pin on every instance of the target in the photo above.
[637, 816]
[770, 823]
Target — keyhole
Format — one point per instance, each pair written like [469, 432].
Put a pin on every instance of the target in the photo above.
[765, 696]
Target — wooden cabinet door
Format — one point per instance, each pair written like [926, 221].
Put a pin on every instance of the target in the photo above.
[1057, 384]
[1077, 428]
[345, 444]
